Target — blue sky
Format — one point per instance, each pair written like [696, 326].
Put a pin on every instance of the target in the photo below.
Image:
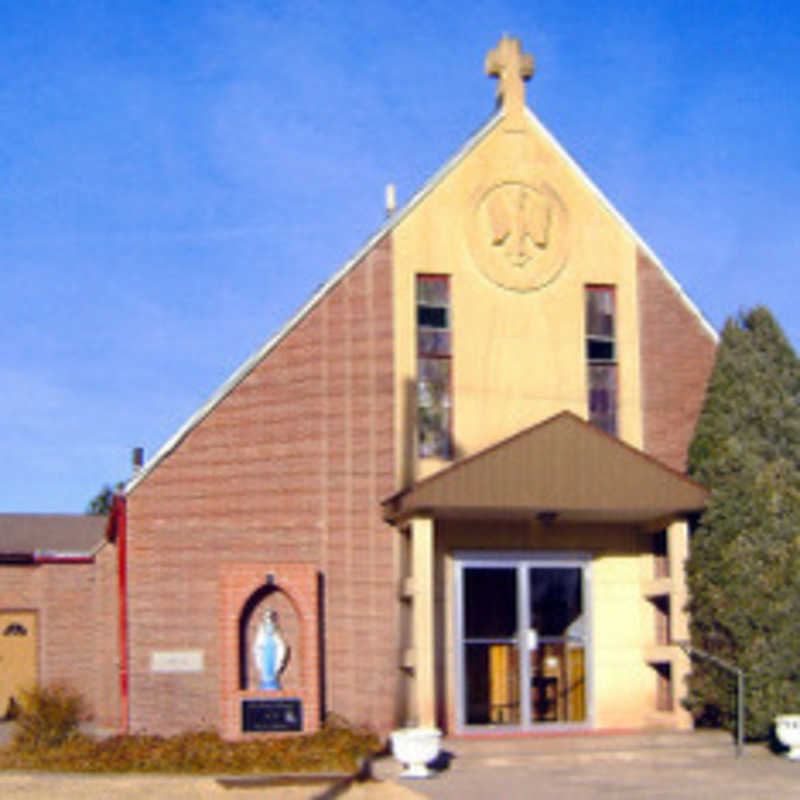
[176, 179]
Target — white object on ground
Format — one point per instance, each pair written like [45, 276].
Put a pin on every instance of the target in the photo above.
[787, 729]
[416, 747]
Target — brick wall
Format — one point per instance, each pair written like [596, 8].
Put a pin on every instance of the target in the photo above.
[76, 609]
[288, 468]
[677, 355]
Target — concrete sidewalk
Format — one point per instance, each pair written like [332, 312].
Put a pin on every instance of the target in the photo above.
[668, 765]
[662, 766]
[51, 786]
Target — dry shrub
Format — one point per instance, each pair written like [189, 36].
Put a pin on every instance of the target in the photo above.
[49, 715]
[337, 748]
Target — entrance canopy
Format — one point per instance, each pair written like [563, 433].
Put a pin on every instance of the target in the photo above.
[562, 469]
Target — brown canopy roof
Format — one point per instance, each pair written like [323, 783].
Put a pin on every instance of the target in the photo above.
[51, 533]
[564, 467]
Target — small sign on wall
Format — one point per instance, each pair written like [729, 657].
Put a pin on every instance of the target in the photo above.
[177, 661]
[272, 715]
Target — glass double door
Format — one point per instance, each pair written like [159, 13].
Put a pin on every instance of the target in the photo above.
[523, 642]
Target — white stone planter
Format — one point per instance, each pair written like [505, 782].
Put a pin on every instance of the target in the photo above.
[787, 729]
[415, 748]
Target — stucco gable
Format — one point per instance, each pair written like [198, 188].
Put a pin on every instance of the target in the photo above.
[622, 222]
[387, 229]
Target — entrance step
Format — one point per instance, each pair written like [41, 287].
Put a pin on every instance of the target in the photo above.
[665, 745]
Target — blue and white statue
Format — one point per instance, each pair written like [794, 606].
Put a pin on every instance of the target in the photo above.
[269, 651]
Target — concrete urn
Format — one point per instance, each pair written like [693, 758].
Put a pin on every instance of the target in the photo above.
[787, 729]
[415, 748]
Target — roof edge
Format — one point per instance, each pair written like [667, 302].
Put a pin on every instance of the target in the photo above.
[45, 556]
[621, 220]
[396, 496]
[255, 358]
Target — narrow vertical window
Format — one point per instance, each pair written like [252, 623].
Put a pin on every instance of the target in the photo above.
[601, 357]
[664, 701]
[660, 555]
[434, 361]
[661, 612]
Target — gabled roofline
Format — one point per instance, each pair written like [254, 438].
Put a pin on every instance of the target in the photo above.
[501, 443]
[512, 471]
[250, 364]
[611, 209]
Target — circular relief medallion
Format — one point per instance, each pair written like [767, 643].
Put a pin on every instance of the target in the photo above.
[518, 234]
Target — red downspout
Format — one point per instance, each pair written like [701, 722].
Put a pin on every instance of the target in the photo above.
[118, 531]
[123, 614]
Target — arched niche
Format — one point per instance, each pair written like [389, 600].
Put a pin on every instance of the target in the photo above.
[271, 597]
[291, 589]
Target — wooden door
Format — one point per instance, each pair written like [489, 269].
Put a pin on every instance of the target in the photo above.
[18, 665]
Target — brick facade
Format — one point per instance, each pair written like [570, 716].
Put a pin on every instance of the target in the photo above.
[677, 354]
[77, 626]
[289, 467]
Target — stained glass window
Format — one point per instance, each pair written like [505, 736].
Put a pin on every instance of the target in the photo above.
[433, 366]
[601, 357]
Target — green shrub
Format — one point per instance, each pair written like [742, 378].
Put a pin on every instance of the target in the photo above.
[48, 716]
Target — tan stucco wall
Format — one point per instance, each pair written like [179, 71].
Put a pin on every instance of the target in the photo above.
[622, 626]
[621, 622]
[518, 356]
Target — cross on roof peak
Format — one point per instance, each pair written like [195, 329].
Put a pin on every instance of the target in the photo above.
[508, 63]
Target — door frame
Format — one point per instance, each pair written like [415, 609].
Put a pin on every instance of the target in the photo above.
[521, 560]
[32, 618]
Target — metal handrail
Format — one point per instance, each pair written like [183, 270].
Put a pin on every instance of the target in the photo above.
[691, 650]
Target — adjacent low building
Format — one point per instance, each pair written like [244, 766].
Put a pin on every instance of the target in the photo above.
[58, 610]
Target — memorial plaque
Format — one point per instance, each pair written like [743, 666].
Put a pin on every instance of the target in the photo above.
[272, 715]
[177, 661]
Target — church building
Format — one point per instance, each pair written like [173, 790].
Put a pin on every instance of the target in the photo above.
[450, 491]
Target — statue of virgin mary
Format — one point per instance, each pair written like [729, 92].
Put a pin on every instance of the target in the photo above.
[269, 651]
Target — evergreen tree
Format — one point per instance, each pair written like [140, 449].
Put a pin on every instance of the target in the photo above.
[100, 504]
[744, 567]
